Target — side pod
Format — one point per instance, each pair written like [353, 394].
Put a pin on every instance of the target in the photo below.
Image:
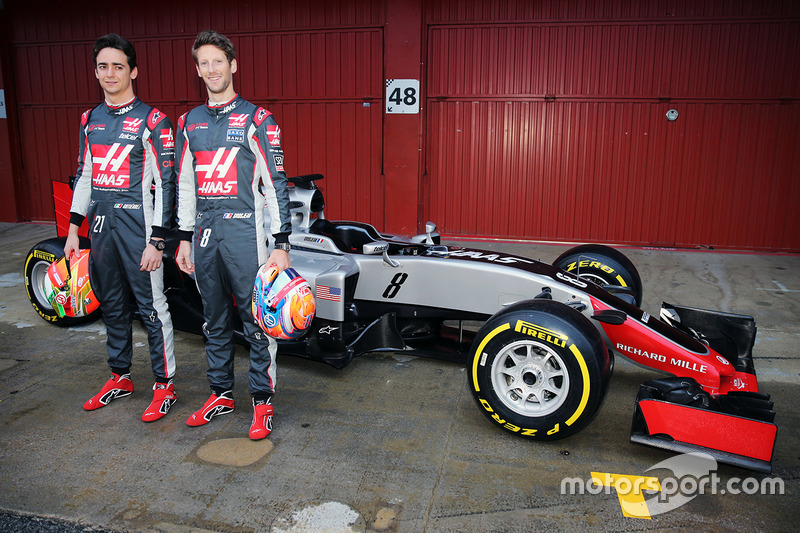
[676, 414]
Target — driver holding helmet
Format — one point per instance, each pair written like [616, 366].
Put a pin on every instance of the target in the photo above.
[126, 186]
[230, 164]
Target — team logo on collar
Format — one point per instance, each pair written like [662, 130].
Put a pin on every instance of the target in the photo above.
[123, 110]
[132, 125]
[230, 107]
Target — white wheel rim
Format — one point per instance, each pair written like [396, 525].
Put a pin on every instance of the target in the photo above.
[38, 281]
[530, 378]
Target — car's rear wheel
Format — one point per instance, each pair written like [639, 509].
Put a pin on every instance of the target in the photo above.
[539, 369]
[36, 264]
[604, 266]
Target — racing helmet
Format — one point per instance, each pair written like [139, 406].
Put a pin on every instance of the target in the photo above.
[67, 286]
[283, 304]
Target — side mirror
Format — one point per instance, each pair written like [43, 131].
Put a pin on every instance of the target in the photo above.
[429, 237]
[380, 247]
[375, 247]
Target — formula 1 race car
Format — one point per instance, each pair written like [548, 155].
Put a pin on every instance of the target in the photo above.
[538, 339]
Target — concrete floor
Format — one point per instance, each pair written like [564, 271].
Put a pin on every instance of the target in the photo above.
[390, 443]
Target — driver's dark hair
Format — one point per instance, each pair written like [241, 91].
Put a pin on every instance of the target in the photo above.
[112, 40]
[214, 38]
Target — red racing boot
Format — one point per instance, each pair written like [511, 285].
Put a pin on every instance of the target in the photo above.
[262, 420]
[163, 398]
[215, 405]
[116, 387]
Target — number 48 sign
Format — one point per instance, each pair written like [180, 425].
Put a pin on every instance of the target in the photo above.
[402, 96]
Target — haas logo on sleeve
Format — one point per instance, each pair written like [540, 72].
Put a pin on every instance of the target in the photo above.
[168, 138]
[274, 135]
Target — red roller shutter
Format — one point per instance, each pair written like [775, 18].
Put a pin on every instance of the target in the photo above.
[548, 121]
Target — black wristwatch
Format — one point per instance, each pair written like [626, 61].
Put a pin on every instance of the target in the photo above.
[285, 246]
[159, 245]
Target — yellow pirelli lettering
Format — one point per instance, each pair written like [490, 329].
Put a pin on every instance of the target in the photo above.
[533, 330]
[38, 254]
[478, 354]
[585, 375]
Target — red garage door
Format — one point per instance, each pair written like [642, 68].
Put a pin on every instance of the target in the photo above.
[318, 68]
[556, 127]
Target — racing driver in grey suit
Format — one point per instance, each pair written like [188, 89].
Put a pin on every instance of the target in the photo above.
[126, 187]
[230, 163]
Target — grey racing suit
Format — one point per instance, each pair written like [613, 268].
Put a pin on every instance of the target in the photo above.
[230, 163]
[126, 186]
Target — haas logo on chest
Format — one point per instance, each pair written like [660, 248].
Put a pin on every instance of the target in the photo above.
[132, 125]
[237, 120]
[216, 172]
[111, 165]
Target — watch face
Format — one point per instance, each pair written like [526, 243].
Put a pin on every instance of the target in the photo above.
[160, 245]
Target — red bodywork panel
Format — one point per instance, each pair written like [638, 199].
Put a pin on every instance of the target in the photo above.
[62, 200]
[641, 344]
[710, 429]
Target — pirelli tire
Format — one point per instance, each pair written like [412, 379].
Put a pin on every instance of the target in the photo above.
[539, 369]
[36, 264]
[602, 265]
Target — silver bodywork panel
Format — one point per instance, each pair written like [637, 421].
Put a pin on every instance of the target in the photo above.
[459, 279]
[441, 277]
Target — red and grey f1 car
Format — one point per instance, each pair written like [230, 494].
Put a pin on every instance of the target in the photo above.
[541, 358]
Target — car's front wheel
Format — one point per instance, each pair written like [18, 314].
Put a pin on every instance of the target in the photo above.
[539, 369]
[37, 262]
[605, 266]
